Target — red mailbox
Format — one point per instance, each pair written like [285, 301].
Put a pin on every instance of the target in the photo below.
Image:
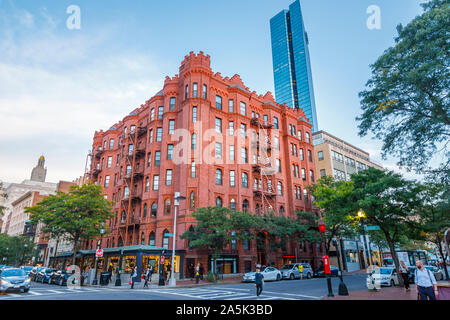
[326, 264]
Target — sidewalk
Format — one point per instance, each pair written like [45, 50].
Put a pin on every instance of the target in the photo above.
[383, 294]
[184, 283]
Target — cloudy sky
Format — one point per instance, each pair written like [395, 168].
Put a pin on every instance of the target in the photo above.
[57, 86]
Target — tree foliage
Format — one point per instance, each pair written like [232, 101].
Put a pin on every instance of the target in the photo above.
[332, 197]
[78, 215]
[16, 250]
[406, 102]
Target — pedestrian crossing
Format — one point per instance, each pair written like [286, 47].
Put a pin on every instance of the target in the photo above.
[44, 292]
[228, 294]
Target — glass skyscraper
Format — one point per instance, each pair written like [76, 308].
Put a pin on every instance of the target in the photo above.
[291, 63]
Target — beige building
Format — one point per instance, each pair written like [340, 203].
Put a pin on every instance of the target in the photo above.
[337, 158]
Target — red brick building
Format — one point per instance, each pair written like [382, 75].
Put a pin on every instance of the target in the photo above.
[189, 138]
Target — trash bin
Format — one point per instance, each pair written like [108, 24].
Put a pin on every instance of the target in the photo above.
[104, 278]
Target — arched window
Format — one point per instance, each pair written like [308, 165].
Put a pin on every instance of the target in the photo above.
[281, 211]
[233, 204]
[142, 238]
[246, 243]
[244, 180]
[219, 202]
[154, 209]
[245, 205]
[257, 208]
[186, 93]
[124, 217]
[120, 242]
[112, 243]
[145, 210]
[165, 243]
[167, 206]
[280, 188]
[151, 239]
[192, 200]
[193, 170]
[218, 176]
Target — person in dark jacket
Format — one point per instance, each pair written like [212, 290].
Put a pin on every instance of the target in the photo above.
[201, 271]
[259, 278]
[133, 277]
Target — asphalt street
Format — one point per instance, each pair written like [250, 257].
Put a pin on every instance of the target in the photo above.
[312, 289]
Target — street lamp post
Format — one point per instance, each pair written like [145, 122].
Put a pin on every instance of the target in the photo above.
[95, 281]
[172, 281]
[322, 232]
[361, 215]
[343, 291]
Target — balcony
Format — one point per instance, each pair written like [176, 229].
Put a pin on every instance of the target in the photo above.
[96, 172]
[135, 196]
[98, 152]
[268, 194]
[141, 131]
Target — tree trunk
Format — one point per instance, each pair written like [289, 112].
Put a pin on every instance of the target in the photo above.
[394, 257]
[445, 260]
[56, 250]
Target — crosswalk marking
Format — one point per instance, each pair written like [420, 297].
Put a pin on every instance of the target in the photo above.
[35, 293]
[56, 291]
[241, 298]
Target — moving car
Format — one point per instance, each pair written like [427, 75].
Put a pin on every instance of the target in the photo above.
[269, 273]
[292, 271]
[14, 279]
[320, 273]
[44, 275]
[385, 276]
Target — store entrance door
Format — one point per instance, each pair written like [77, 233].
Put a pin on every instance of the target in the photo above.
[190, 267]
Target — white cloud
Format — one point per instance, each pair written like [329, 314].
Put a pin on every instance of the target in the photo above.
[57, 90]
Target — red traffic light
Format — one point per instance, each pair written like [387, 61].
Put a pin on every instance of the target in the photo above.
[321, 226]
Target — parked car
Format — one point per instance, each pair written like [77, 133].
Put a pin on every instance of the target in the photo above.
[34, 272]
[59, 277]
[14, 279]
[385, 276]
[6, 267]
[269, 273]
[437, 272]
[44, 275]
[292, 271]
[320, 273]
[27, 269]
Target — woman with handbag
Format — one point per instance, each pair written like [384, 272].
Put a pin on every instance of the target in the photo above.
[133, 277]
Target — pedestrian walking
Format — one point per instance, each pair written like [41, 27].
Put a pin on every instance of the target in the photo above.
[201, 271]
[133, 277]
[110, 271]
[300, 269]
[197, 273]
[168, 271]
[404, 271]
[146, 277]
[425, 282]
[259, 280]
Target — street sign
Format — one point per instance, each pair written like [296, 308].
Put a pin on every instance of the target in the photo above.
[371, 228]
[99, 253]
[169, 235]
[162, 259]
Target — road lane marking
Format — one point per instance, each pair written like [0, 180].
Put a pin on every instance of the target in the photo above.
[35, 293]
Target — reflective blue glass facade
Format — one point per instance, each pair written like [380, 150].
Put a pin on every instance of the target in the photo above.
[291, 62]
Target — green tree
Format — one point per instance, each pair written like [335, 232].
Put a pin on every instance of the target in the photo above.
[406, 103]
[79, 214]
[332, 197]
[16, 250]
[386, 200]
[216, 227]
[434, 217]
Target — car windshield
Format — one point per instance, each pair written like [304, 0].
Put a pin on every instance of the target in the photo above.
[27, 268]
[383, 271]
[13, 273]
[287, 267]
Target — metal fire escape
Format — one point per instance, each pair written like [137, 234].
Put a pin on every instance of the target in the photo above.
[130, 202]
[263, 166]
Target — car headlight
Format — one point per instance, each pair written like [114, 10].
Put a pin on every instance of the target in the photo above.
[4, 282]
[28, 280]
